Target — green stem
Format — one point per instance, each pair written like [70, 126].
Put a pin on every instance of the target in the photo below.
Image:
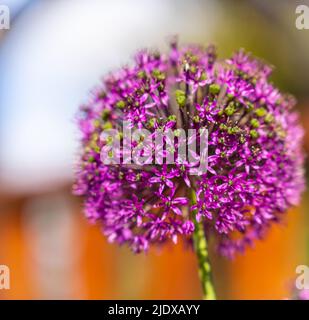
[201, 249]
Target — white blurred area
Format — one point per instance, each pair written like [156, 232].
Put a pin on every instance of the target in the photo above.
[54, 54]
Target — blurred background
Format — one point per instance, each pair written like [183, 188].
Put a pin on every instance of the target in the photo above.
[53, 54]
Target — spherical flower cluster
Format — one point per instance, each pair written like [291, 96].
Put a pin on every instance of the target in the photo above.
[255, 160]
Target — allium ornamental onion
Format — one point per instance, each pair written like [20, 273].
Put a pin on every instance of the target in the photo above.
[255, 160]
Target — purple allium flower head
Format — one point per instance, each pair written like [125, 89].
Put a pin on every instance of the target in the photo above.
[255, 160]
